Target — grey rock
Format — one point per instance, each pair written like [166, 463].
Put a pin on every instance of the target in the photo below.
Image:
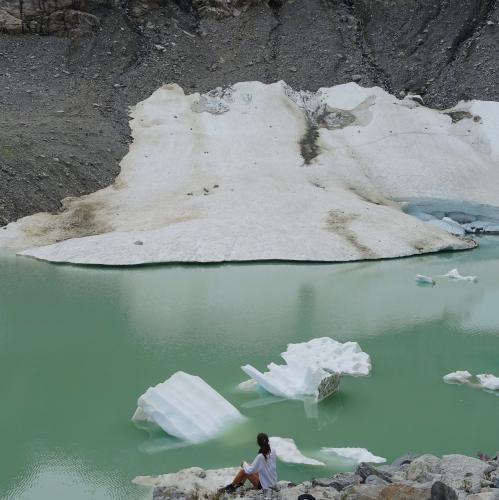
[408, 457]
[365, 470]
[440, 491]
[374, 480]
[339, 481]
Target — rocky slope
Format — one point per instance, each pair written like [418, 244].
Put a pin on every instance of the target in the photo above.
[425, 477]
[64, 97]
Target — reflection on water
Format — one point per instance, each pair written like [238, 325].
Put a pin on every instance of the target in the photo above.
[79, 345]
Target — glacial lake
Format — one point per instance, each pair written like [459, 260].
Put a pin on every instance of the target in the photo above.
[79, 345]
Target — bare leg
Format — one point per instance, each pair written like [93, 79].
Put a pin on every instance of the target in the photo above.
[241, 478]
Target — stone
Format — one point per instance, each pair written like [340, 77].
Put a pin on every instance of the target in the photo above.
[461, 472]
[422, 468]
[405, 459]
[373, 479]
[365, 470]
[485, 495]
[339, 481]
[440, 491]
[9, 23]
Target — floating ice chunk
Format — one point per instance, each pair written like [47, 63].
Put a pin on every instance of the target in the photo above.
[488, 381]
[454, 275]
[354, 454]
[461, 377]
[287, 451]
[289, 381]
[449, 225]
[186, 407]
[347, 358]
[312, 368]
[421, 279]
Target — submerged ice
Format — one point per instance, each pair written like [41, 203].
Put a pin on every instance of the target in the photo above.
[186, 407]
[354, 454]
[310, 364]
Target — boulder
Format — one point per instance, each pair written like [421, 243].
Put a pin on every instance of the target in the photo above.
[440, 491]
[365, 470]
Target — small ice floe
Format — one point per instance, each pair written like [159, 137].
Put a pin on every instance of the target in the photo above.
[485, 381]
[423, 280]
[356, 455]
[453, 274]
[488, 381]
[459, 377]
[449, 225]
[312, 369]
[287, 451]
[186, 407]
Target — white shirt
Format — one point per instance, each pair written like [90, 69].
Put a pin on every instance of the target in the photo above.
[266, 468]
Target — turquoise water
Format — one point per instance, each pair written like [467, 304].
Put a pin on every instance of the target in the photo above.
[79, 345]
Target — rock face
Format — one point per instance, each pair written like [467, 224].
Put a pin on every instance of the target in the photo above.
[53, 16]
[452, 477]
[258, 172]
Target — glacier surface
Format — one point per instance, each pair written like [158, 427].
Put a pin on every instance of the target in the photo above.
[258, 172]
[186, 407]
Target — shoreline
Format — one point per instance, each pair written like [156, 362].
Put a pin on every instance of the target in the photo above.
[419, 477]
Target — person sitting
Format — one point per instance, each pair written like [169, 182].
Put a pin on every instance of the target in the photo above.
[262, 473]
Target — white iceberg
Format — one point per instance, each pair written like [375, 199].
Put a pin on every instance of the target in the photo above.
[453, 274]
[287, 451]
[460, 376]
[354, 454]
[230, 176]
[309, 367]
[186, 407]
[421, 279]
[488, 381]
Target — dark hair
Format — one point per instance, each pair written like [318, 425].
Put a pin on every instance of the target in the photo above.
[263, 442]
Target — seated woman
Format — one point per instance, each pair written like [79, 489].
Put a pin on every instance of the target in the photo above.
[262, 473]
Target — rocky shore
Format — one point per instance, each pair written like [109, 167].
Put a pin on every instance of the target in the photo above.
[411, 477]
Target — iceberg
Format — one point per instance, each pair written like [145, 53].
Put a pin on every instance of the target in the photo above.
[421, 279]
[354, 454]
[287, 451]
[485, 381]
[488, 381]
[312, 369]
[453, 274]
[186, 407]
[460, 376]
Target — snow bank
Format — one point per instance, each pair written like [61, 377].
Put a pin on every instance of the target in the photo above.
[186, 407]
[257, 172]
[287, 451]
[354, 454]
[308, 364]
[453, 274]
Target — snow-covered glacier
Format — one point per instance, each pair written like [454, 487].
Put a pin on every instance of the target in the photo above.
[258, 172]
